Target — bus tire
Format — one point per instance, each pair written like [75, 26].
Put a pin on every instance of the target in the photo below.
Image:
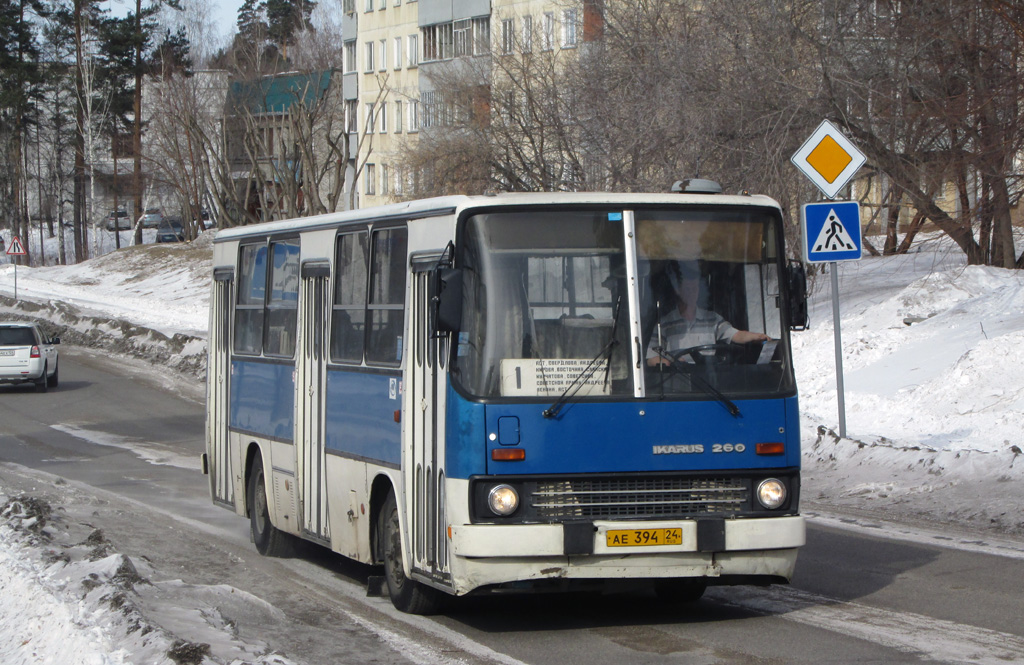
[407, 595]
[269, 540]
[680, 590]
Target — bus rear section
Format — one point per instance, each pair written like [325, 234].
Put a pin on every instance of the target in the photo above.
[586, 439]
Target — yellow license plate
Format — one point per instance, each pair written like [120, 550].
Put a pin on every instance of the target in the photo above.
[643, 537]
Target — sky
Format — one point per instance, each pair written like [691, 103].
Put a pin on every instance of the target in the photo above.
[223, 15]
[934, 402]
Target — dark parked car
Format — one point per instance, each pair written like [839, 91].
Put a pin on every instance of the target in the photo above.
[170, 230]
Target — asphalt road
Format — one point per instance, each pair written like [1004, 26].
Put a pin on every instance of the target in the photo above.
[129, 441]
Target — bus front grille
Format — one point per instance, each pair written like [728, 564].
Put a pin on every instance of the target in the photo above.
[639, 498]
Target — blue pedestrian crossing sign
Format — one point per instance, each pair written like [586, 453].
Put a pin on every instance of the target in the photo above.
[831, 231]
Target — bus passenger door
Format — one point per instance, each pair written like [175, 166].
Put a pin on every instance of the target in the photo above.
[218, 451]
[425, 403]
[310, 381]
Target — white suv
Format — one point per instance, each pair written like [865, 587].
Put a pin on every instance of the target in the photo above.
[27, 355]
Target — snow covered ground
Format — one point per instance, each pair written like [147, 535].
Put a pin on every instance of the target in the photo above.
[934, 404]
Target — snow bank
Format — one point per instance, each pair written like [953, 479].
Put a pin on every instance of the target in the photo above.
[934, 397]
[106, 607]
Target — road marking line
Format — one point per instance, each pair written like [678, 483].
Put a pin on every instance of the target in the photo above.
[936, 639]
[146, 451]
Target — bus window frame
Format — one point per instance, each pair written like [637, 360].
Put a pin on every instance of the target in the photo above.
[250, 307]
[778, 242]
[277, 306]
[351, 231]
[386, 307]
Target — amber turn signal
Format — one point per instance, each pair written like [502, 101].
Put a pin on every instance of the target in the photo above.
[508, 454]
[774, 448]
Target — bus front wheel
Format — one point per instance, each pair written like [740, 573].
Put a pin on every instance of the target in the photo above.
[269, 540]
[406, 594]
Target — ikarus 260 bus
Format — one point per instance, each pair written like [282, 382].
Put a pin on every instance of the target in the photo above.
[504, 392]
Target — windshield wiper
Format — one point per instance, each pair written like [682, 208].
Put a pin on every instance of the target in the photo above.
[607, 350]
[699, 381]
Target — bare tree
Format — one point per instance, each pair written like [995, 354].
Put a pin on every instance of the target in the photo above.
[931, 92]
[183, 132]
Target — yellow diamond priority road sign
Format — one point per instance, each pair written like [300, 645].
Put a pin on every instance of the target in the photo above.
[829, 159]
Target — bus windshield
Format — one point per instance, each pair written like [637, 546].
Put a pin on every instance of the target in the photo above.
[547, 299]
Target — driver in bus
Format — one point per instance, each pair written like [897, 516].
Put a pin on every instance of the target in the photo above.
[686, 324]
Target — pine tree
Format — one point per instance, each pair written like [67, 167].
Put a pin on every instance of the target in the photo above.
[172, 55]
[20, 81]
[285, 18]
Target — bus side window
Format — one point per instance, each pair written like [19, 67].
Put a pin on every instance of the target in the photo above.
[252, 271]
[386, 308]
[349, 310]
[283, 303]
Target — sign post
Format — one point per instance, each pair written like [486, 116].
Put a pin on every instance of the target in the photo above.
[831, 229]
[16, 249]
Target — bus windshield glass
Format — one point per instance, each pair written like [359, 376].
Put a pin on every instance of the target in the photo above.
[547, 299]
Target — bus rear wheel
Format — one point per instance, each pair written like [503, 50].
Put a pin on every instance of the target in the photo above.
[407, 595]
[269, 540]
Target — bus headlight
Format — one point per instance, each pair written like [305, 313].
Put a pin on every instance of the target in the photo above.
[771, 493]
[503, 500]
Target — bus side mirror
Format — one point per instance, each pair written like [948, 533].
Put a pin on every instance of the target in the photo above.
[797, 278]
[448, 299]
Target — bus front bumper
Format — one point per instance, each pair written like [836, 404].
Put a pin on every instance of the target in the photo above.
[742, 549]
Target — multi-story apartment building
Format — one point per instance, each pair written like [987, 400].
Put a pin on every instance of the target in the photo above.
[394, 51]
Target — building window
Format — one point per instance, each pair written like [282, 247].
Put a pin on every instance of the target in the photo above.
[398, 117]
[122, 145]
[438, 42]
[527, 34]
[548, 36]
[462, 35]
[351, 116]
[370, 120]
[349, 6]
[569, 28]
[350, 56]
[398, 52]
[371, 179]
[383, 54]
[385, 179]
[429, 98]
[414, 50]
[481, 35]
[382, 118]
[383, 4]
[368, 7]
[414, 115]
[370, 50]
[508, 28]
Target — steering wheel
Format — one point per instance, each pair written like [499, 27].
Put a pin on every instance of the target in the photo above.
[723, 353]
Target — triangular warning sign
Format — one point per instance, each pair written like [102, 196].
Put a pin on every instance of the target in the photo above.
[16, 248]
[833, 236]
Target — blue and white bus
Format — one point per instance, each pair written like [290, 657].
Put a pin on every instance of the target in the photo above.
[478, 392]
